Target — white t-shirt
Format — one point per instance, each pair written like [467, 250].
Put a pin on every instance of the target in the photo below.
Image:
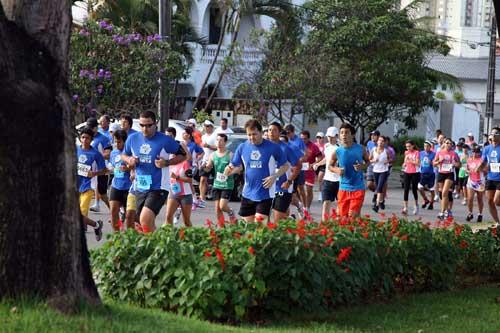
[381, 165]
[330, 176]
[211, 140]
[219, 130]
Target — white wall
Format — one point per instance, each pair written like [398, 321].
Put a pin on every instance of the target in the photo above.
[465, 120]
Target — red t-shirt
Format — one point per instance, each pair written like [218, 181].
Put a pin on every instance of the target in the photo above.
[312, 151]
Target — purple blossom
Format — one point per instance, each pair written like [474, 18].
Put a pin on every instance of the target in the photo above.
[84, 73]
[91, 76]
[149, 39]
[103, 24]
[75, 98]
[100, 89]
[100, 74]
[107, 75]
[84, 32]
[109, 27]
[157, 37]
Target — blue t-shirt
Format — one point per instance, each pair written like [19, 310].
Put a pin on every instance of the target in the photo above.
[87, 160]
[491, 155]
[131, 131]
[370, 145]
[293, 159]
[426, 159]
[121, 179]
[101, 142]
[106, 133]
[351, 180]
[259, 161]
[148, 176]
[194, 149]
[296, 143]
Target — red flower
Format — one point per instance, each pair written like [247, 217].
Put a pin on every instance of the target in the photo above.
[493, 232]
[367, 216]
[344, 254]
[237, 235]
[325, 217]
[208, 223]
[333, 213]
[380, 224]
[220, 257]
[458, 230]
[271, 225]
[207, 253]
[259, 218]
[329, 241]
[365, 235]
[404, 237]
[464, 244]
[181, 233]
[324, 231]
[306, 245]
[251, 250]
[382, 215]
[347, 270]
[220, 221]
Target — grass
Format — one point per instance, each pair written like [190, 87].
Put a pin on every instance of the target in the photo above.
[474, 310]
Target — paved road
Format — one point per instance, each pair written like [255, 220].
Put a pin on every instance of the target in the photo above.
[393, 205]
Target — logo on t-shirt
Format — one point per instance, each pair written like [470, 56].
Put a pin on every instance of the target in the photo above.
[82, 158]
[255, 155]
[117, 158]
[255, 162]
[145, 149]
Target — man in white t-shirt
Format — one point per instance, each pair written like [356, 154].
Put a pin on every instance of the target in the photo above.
[209, 145]
[330, 180]
[223, 128]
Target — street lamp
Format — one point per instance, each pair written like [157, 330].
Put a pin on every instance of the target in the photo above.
[490, 93]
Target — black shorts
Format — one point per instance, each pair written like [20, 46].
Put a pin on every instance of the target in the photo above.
[427, 181]
[204, 173]
[492, 185]
[221, 194]
[102, 184]
[118, 195]
[300, 180]
[462, 181]
[321, 168]
[282, 201]
[330, 190]
[444, 176]
[249, 207]
[154, 200]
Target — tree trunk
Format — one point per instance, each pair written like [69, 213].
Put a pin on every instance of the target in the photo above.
[212, 65]
[43, 250]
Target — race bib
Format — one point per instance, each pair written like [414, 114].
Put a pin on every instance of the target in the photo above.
[305, 166]
[495, 167]
[446, 167]
[144, 182]
[83, 169]
[221, 177]
[118, 173]
[177, 189]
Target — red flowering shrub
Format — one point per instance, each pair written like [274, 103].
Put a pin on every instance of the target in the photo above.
[227, 272]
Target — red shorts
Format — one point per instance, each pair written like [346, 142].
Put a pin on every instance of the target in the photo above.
[350, 202]
[310, 177]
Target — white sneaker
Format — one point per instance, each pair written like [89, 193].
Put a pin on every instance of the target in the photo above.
[95, 209]
[320, 197]
[177, 216]
[436, 198]
[456, 196]
[201, 203]
[415, 210]
[464, 202]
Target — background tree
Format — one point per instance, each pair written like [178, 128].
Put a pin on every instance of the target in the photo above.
[43, 249]
[369, 62]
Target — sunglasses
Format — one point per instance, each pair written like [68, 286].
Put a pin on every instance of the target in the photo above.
[146, 125]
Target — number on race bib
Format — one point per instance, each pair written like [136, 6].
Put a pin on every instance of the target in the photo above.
[221, 177]
[144, 182]
[495, 167]
[305, 166]
[83, 169]
[446, 167]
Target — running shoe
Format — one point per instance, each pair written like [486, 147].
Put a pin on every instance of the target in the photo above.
[98, 230]
[470, 217]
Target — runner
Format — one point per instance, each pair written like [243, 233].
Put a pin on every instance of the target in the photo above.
[446, 160]
[223, 127]
[331, 180]
[475, 184]
[379, 158]
[180, 194]
[195, 134]
[411, 166]
[299, 147]
[223, 185]
[90, 163]
[196, 154]
[104, 127]
[491, 158]
[312, 155]
[427, 175]
[102, 144]
[148, 152]
[260, 159]
[209, 145]
[126, 123]
[320, 169]
[463, 175]
[284, 184]
[350, 157]
[370, 177]
[121, 183]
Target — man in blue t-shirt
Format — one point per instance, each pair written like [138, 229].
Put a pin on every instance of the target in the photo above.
[264, 163]
[90, 164]
[299, 147]
[102, 144]
[427, 175]
[351, 158]
[149, 153]
[104, 127]
[126, 123]
[491, 159]
[284, 185]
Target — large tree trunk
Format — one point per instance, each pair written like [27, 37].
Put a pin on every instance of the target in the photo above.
[43, 249]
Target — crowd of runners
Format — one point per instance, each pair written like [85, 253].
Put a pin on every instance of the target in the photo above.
[144, 170]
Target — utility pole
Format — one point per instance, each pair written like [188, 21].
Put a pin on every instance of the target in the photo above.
[165, 23]
[490, 93]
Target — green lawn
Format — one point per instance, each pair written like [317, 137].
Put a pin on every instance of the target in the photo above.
[473, 310]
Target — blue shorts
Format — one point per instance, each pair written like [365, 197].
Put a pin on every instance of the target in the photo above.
[427, 181]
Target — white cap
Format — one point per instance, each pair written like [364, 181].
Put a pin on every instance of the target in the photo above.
[470, 134]
[192, 121]
[332, 131]
[114, 127]
[208, 123]
[321, 134]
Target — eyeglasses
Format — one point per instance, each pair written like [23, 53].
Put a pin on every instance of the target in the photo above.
[146, 125]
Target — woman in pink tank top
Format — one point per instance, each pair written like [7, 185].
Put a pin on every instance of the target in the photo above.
[446, 161]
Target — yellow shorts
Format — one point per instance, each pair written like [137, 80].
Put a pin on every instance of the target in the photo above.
[85, 199]
[131, 202]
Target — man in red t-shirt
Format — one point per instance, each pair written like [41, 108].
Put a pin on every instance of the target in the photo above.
[312, 155]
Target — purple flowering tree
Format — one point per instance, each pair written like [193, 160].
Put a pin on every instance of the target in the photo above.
[112, 71]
